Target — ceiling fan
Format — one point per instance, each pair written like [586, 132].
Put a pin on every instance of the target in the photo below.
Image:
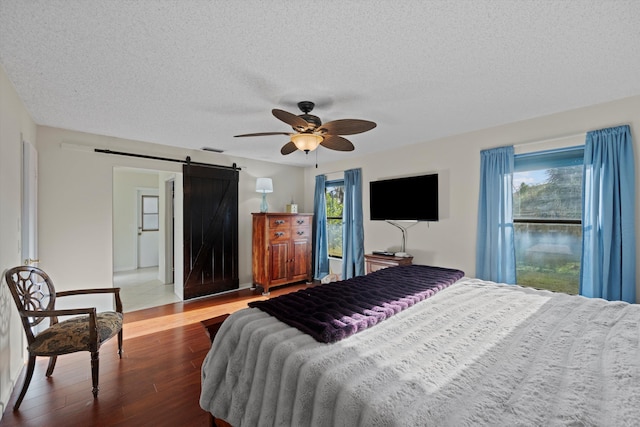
[309, 132]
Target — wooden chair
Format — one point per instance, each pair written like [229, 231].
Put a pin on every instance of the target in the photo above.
[35, 297]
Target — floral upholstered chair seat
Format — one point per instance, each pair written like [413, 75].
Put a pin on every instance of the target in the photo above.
[72, 335]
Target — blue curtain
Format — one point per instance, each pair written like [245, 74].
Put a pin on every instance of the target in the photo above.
[320, 239]
[352, 228]
[608, 267]
[495, 249]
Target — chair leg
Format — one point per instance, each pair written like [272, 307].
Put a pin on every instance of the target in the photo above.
[120, 343]
[95, 364]
[52, 364]
[27, 379]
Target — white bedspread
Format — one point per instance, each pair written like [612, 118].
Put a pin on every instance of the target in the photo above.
[476, 353]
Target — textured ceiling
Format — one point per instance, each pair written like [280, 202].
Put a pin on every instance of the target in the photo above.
[193, 73]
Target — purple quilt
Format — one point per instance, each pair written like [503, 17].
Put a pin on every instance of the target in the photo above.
[338, 310]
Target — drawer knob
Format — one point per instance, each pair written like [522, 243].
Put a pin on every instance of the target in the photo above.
[300, 221]
[300, 233]
[279, 234]
[279, 221]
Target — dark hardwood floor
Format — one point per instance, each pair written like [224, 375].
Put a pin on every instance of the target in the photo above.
[156, 383]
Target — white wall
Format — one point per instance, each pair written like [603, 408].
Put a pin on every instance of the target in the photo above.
[75, 205]
[451, 241]
[15, 125]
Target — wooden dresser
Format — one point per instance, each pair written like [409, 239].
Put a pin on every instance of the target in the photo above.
[375, 262]
[281, 249]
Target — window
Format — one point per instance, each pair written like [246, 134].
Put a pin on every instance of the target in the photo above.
[150, 213]
[547, 212]
[334, 193]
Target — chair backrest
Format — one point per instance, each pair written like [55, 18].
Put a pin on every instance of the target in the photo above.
[32, 290]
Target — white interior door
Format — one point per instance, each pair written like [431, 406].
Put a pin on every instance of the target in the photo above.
[29, 220]
[148, 228]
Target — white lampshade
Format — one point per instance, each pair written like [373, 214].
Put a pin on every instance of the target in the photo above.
[306, 141]
[264, 185]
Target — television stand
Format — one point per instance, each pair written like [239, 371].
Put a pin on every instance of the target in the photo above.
[374, 262]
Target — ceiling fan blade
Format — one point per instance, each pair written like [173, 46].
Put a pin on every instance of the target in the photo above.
[288, 148]
[346, 127]
[298, 123]
[335, 142]
[263, 134]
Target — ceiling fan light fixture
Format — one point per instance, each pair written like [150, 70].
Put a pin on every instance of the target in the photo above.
[309, 132]
[306, 141]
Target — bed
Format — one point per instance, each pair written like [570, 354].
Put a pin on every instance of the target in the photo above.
[469, 353]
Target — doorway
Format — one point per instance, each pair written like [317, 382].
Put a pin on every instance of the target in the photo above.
[144, 253]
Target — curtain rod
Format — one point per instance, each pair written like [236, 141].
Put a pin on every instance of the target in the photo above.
[329, 173]
[186, 161]
[556, 138]
[338, 171]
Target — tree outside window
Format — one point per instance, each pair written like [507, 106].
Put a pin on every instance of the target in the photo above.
[547, 211]
[335, 202]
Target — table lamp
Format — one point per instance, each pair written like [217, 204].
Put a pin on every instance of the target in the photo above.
[264, 186]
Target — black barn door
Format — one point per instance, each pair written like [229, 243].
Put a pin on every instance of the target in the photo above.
[210, 230]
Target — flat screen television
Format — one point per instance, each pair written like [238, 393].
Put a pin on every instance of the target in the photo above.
[413, 198]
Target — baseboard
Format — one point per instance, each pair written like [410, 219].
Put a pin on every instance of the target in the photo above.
[123, 269]
[4, 399]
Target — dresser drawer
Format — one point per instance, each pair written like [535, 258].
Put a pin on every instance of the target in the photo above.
[378, 262]
[301, 221]
[300, 231]
[279, 222]
[276, 235]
